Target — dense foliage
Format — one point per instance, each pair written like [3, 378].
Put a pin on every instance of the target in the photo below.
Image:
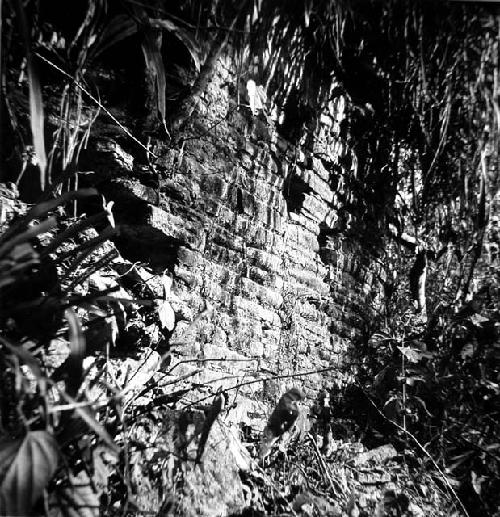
[423, 124]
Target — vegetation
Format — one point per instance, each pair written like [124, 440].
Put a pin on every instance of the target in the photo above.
[424, 140]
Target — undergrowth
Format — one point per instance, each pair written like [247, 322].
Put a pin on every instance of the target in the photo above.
[424, 142]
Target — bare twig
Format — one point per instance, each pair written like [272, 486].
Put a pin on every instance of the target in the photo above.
[425, 451]
[334, 485]
[255, 381]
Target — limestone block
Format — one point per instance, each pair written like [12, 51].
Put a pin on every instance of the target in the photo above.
[257, 311]
[176, 227]
[225, 239]
[125, 190]
[271, 348]
[107, 159]
[214, 185]
[317, 208]
[215, 488]
[265, 259]
[308, 280]
[302, 229]
[266, 296]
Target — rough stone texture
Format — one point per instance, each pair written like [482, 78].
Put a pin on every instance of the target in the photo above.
[211, 488]
[249, 223]
[9, 202]
[252, 227]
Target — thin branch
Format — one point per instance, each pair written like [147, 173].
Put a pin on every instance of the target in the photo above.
[424, 450]
[265, 379]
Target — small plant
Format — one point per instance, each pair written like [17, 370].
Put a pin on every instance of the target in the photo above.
[41, 270]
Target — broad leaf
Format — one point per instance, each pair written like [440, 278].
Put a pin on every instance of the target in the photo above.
[26, 467]
[478, 320]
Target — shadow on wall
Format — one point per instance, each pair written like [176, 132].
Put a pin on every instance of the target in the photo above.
[294, 192]
[142, 243]
[325, 238]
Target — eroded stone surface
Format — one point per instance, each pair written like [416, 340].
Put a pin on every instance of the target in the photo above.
[257, 229]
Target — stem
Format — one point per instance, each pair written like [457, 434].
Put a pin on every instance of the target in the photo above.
[424, 450]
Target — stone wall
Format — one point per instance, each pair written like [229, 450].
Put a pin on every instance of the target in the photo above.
[254, 226]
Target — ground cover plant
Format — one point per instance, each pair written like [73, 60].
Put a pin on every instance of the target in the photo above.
[86, 335]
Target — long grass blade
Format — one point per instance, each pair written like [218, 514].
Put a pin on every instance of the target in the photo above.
[96, 266]
[25, 356]
[118, 29]
[42, 209]
[182, 35]
[77, 347]
[43, 227]
[98, 103]
[70, 232]
[151, 48]
[98, 428]
[35, 96]
[88, 247]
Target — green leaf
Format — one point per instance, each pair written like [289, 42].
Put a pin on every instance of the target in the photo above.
[26, 467]
[257, 97]
[166, 282]
[478, 320]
